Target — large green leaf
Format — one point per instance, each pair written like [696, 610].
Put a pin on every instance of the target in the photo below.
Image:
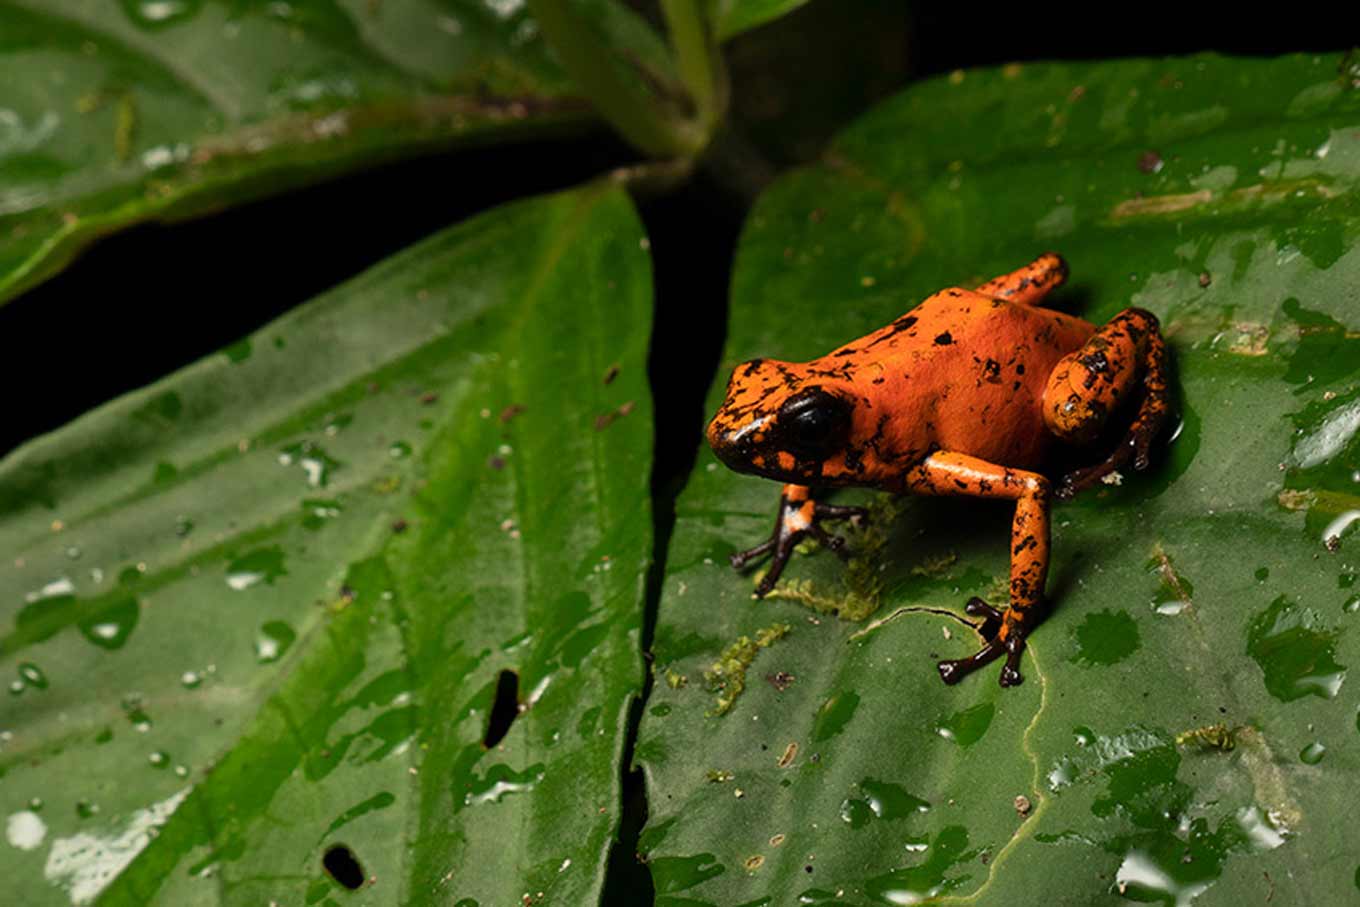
[1220, 194]
[262, 608]
[118, 112]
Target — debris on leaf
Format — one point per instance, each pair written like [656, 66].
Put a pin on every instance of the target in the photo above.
[605, 420]
[611, 373]
[781, 680]
[511, 411]
[675, 680]
[754, 863]
[1211, 737]
[1022, 805]
[790, 753]
[935, 566]
[718, 776]
[727, 675]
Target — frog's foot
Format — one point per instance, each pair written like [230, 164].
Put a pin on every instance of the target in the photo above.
[1011, 644]
[799, 517]
[1134, 447]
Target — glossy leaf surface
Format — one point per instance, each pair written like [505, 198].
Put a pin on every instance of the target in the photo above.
[261, 618]
[1220, 194]
[119, 112]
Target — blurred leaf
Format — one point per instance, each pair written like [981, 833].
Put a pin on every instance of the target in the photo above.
[119, 112]
[1200, 602]
[257, 615]
[732, 17]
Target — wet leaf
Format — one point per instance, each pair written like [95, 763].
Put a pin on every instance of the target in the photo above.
[120, 112]
[272, 675]
[1205, 600]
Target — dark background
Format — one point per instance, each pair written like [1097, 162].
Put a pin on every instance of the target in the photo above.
[144, 303]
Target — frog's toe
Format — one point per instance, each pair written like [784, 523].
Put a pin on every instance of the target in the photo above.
[740, 559]
[855, 515]
[955, 669]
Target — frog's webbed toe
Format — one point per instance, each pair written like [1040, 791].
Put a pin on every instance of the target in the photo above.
[798, 517]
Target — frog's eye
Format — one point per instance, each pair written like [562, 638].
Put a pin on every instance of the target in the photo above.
[815, 423]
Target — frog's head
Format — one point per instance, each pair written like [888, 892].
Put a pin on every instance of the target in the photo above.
[778, 423]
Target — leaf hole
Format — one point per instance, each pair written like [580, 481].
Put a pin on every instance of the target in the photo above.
[343, 866]
[504, 709]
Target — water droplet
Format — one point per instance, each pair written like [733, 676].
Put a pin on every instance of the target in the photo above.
[181, 771]
[1141, 878]
[73, 553]
[1312, 753]
[274, 639]
[158, 759]
[25, 830]
[33, 675]
[263, 565]
[16, 687]
[315, 462]
[190, 679]
[834, 715]
[1296, 653]
[159, 13]
[1262, 574]
[86, 809]
[967, 727]
[35, 804]
[317, 512]
[399, 450]
[499, 781]
[1352, 604]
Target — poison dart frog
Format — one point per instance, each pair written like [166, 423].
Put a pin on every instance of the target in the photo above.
[970, 393]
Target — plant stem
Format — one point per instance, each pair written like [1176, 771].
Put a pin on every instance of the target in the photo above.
[696, 54]
[647, 125]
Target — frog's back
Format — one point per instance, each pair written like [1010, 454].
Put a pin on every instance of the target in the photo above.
[966, 372]
[956, 324]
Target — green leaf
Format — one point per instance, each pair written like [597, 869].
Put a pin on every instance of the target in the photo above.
[732, 17]
[1185, 732]
[120, 112]
[262, 609]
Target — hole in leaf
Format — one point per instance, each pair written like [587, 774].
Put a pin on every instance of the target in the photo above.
[343, 866]
[504, 708]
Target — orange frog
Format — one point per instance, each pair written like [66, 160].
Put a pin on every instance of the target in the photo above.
[968, 394]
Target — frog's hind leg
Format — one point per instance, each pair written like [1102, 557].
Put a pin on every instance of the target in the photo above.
[1003, 632]
[1124, 357]
[1030, 284]
[799, 516]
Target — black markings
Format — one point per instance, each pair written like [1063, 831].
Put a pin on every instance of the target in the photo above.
[1020, 368]
[901, 324]
[341, 864]
[504, 709]
[991, 371]
[944, 339]
[752, 367]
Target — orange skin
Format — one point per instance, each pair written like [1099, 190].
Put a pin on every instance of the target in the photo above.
[966, 394]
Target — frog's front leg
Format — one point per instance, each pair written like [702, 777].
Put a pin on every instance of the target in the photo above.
[959, 474]
[797, 518]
